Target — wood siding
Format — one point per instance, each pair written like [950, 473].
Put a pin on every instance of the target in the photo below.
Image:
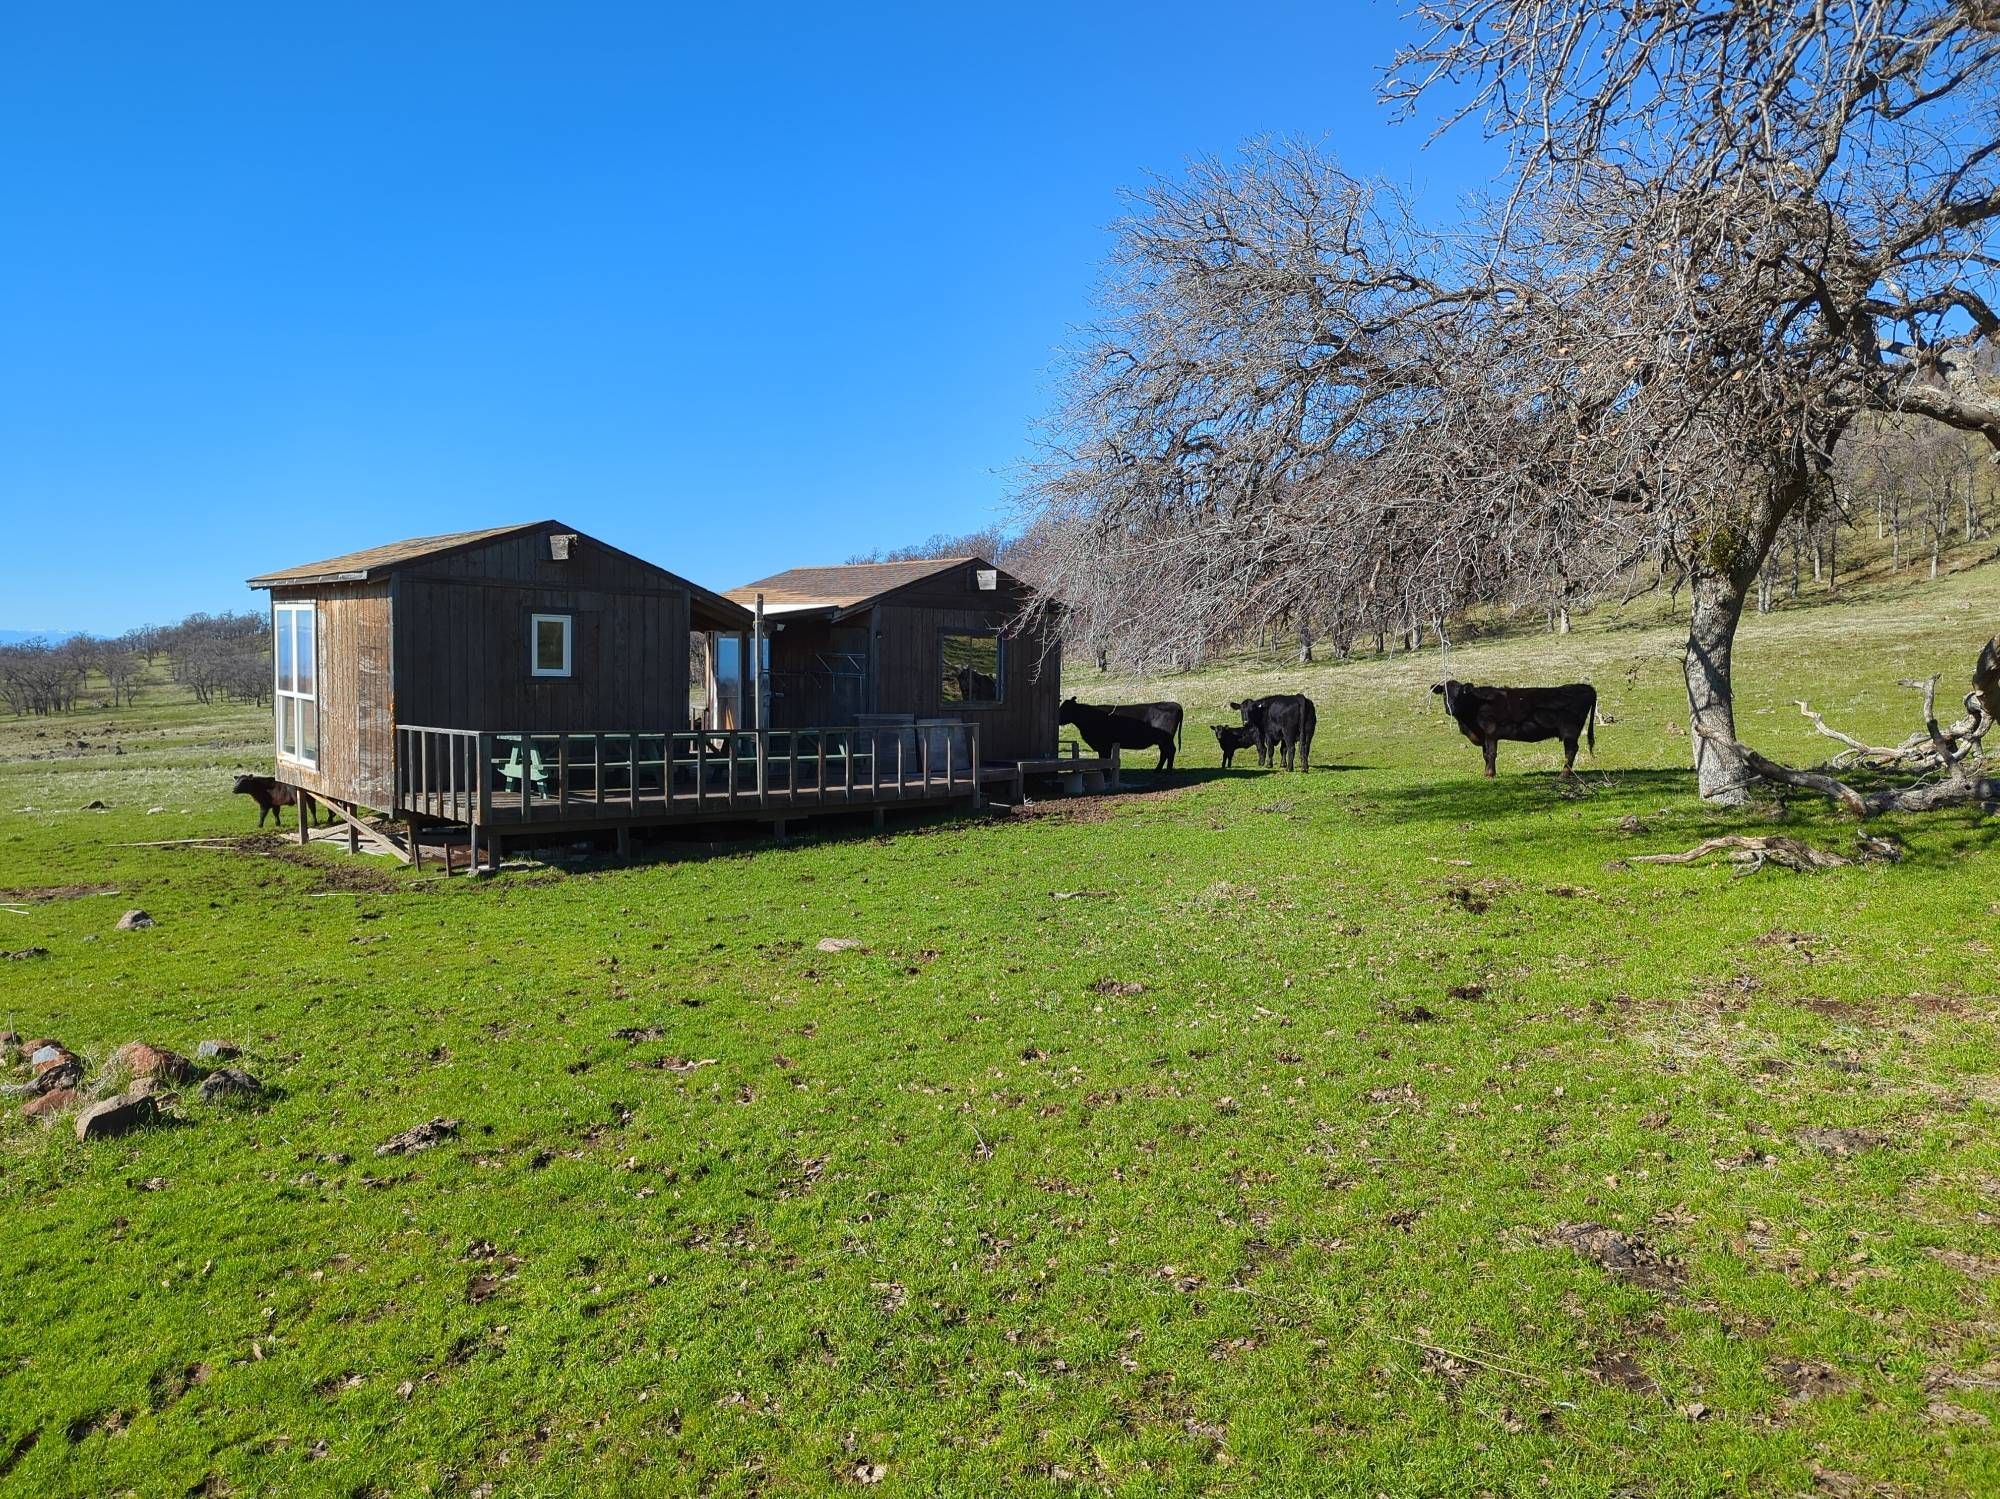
[902, 638]
[357, 742]
[444, 643]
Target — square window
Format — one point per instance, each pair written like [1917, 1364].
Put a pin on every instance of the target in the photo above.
[972, 670]
[549, 645]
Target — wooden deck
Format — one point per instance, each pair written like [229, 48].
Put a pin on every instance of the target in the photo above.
[513, 781]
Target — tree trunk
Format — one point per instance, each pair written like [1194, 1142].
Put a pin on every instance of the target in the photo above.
[1727, 564]
[1721, 775]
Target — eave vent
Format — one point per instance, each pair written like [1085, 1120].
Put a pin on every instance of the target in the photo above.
[560, 543]
[986, 579]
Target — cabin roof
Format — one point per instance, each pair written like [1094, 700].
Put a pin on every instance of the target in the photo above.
[844, 587]
[711, 609]
[369, 562]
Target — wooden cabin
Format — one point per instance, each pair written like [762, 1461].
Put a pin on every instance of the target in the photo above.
[909, 642]
[532, 681]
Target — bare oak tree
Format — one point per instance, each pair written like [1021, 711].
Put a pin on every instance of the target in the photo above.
[1732, 230]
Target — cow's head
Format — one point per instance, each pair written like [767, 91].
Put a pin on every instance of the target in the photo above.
[1248, 706]
[243, 786]
[1448, 690]
[1067, 713]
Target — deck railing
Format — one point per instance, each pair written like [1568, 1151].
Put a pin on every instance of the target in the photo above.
[491, 777]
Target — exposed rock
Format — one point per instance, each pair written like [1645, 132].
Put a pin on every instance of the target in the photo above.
[61, 1071]
[418, 1137]
[140, 1059]
[229, 1082]
[114, 1116]
[221, 1051]
[10, 1038]
[46, 1051]
[148, 1087]
[133, 921]
[52, 1102]
[839, 944]
[95, 806]
[22, 955]
[31, 1047]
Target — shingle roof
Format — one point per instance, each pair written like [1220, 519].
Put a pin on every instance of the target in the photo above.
[355, 567]
[842, 587]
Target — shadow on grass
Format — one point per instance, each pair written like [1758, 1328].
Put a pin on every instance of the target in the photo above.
[1526, 794]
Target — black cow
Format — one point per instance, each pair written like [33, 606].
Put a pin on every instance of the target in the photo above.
[272, 796]
[1487, 715]
[1232, 737]
[1165, 717]
[1286, 721]
[1104, 730]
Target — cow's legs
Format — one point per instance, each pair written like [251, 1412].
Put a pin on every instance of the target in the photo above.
[1492, 751]
[1569, 758]
[1289, 746]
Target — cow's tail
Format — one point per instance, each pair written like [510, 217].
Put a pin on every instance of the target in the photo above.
[1590, 722]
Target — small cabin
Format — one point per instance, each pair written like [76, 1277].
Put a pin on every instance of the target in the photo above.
[941, 640]
[529, 627]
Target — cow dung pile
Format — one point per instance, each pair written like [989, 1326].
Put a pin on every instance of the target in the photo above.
[132, 1087]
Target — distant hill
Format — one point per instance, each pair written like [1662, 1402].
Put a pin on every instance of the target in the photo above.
[15, 637]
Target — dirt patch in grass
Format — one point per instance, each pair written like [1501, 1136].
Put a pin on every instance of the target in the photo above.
[1618, 1368]
[34, 894]
[347, 875]
[1631, 1260]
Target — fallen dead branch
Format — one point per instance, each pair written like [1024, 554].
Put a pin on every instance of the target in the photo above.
[1953, 754]
[1754, 852]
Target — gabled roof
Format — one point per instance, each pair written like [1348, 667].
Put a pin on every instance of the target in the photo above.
[370, 562]
[846, 587]
[710, 610]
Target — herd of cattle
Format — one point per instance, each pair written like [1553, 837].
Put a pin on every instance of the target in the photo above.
[1281, 727]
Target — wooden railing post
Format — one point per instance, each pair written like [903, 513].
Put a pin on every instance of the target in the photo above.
[482, 769]
[977, 778]
[763, 766]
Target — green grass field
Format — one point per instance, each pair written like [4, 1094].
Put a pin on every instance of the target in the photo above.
[1232, 1135]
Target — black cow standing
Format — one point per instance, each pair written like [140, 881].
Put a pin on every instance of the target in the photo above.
[1165, 717]
[1284, 722]
[1231, 737]
[1487, 715]
[1104, 730]
[272, 797]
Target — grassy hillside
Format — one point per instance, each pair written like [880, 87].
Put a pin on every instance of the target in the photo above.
[1377, 1130]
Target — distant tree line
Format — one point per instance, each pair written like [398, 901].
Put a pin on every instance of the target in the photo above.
[217, 657]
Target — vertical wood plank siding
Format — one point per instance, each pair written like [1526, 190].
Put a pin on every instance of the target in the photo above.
[357, 743]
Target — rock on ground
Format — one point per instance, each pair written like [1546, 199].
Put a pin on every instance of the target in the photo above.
[229, 1082]
[115, 1116]
[220, 1051]
[133, 921]
[142, 1059]
[52, 1102]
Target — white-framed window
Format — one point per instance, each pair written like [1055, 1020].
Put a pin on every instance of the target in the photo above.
[295, 653]
[548, 645]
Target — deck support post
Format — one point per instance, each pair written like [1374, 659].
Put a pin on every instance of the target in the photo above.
[778, 830]
[625, 842]
[416, 848]
[977, 790]
[880, 819]
[301, 810]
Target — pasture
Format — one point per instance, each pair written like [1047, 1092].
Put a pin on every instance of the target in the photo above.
[1372, 1131]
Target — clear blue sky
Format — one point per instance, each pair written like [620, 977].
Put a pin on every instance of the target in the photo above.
[736, 289]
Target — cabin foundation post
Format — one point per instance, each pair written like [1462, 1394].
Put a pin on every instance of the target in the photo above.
[624, 843]
[879, 818]
[416, 845]
[353, 839]
[302, 809]
[778, 830]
